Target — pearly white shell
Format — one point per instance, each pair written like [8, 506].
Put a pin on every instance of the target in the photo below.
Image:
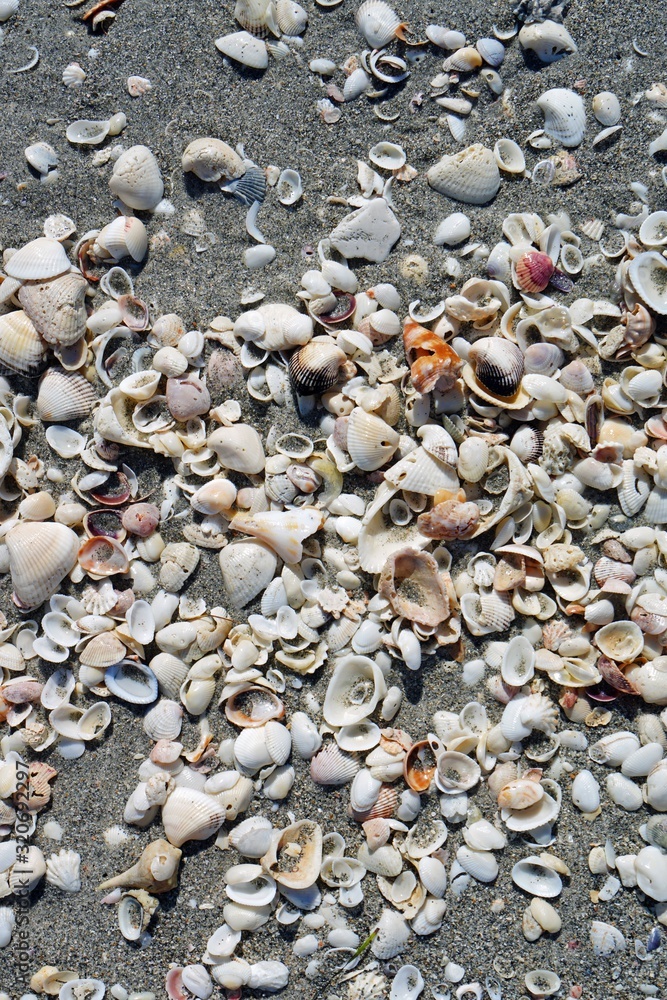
[564, 116]
[470, 176]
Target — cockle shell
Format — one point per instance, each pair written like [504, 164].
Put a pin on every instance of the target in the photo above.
[126, 236]
[274, 327]
[378, 23]
[295, 856]
[64, 396]
[57, 307]
[548, 40]
[38, 260]
[212, 160]
[136, 179]
[316, 366]
[564, 116]
[41, 554]
[470, 176]
[189, 814]
[371, 442]
[247, 569]
[498, 365]
[534, 270]
[244, 48]
[21, 347]
[449, 520]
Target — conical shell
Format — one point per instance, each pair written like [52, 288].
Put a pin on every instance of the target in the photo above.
[315, 367]
[38, 260]
[156, 870]
[41, 554]
[136, 179]
[64, 396]
[57, 307]
[498, 365]
[21, 347]
[470, 176]
[564, 116]
[189, 814]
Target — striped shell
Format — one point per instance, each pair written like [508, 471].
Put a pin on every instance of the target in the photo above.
[378, 23]
[41, 554]
[64, 396]
[332, 766]
[498, 365]
[315, 367]
[38, 260]
[534, 271]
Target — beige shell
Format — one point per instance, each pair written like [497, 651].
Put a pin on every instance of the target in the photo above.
[283, 531]
[64, 396]
[41, 554]
[189, 814]
[247, 569]
[370, 440]
[239, 448]
[156, 870]
[295, 856]
[470, 176]
[136, 179]
[102, 650]
[415, 588]
[259, 17]
[212, 160]
[38, 260]
[57, 307]
[21, 347]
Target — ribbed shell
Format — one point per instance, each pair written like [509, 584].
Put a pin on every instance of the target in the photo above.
[470, 176]
[315, 367]
[370, 441]
[564, 116]
[377, 22]
[164, 720]
[258, 17]
[102, 651]
[136, 179]
[292, 18]
[64, 396]
[38, 260]
[249, 188]
[41, 554]
[534, 270]
[57, 308]
[21, 347]
[189, 814]
[498, 365]
[332, 766]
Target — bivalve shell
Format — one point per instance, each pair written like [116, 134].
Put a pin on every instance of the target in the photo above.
[470, 176]
[136, 179]
[41, 554]
[564, 116]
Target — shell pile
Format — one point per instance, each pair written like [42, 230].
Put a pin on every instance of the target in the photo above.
[378, 492]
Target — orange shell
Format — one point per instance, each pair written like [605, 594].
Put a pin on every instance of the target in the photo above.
[429, 357]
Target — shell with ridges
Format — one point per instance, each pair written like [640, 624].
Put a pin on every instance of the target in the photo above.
[470, 176]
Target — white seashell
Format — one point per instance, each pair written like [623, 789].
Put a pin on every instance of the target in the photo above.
[38, 260]
[331, 766]
[491, 50]
[7, 923]
[189, 814]
[407, 984]
[387, 155]
[509, 156]
[268, 976]
[452, 230]
[655, 790]
[445, 38]
[41, 157]
[244, 48]
[377, 22]
[549, 40]
[639, 763]
[564, 116]
[371, 442]
[251, 751]
[136, 179]
[546, 915]
[247, 569]
[392, 935]
[212, 160]
[456, 772]
[289, 187]
[586, 792]
[482, 865]
[606, 108]
[92, 989]
[535, 877]
[483, 836]
[164, 720]
[647, 274]
[364, 790]
[518, 664]
[614, 748]
[542, 982]
[87, 133]
[605, 939]
[62, 870]
[7, 8]
[368, 233]
[126, 236]
[356, 686]
[624, 792]
[170, 673]
[470, 176]
[73, 75]
[621, 640]
[132, 681]
[41, 554]
[305, 735]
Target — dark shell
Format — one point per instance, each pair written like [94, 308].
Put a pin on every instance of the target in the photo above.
[561, 281]
[498, 365]
[249, 188]
[105, 522]
[316, 366]
[345, 306]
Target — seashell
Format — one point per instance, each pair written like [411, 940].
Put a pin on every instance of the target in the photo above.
[509, 156]
[88, 133]
[640, 763]
[357, 83]
[164, 720]
[392, 933]
[38, 260]
[190, 814]
[244, 48]
[7, 923]
[518, 663]
[295, 856]
[411, 582]
[431, 359]
[620, 640]
[549, 40]
[62, 870]
[463, 60]
[132, 681]
[64, 396]
[41, 554]
[126, 236]
[498, 365]
[92, 989]
[239, 448]
[212, 160]
[355, 688]
[605, 939]
[292, 18]
[564, 116]
[369, 233]
[371, 442]
[456, 772]
[586, 792]
[491, 50]
[316, 366]
[452, 230]
[283, 531]
[136, 179]
[102, 651]
[450, 520]
[289, 187]
[73, 75]
[606, 108]
[378, 23]
[170, 673]
[387, 155]
[331, 766]
[21, 347]
[646, 272]
[481, 865]
[542, 982]
[305, 735]
[247, 569]
[473, 459]
[135, 911]
[536, 878]
[56, 308]
[103, 556]
[407, 984]
[534, 271]
[470, 176]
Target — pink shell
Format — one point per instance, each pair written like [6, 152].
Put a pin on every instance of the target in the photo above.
[534, 270]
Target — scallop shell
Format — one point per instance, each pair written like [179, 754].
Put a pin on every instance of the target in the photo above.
[498, 365]
[371, 442]
[564, 116]
[21, 347]
[377, 22]
[316, 366]
[190, 814]
[136, 179]
[549, 40]
[470, 176]
[244, 48]
[57, 307]
[292, 18]
[64, 396]
[332, 766]
[41, 554]
[38, 260]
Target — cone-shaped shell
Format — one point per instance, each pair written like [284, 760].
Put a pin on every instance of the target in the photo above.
[21, 347]
[498, 365]
[295, 856]
[38, 260]
[189, 814]
[316, 366]
[41, 554]
[136, 179]
[64, 396]
[156, 870]
[284, 530]
[471, 175]
[212, 160]
[57, 308]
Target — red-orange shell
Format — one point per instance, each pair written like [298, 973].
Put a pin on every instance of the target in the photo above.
[429, 357]
[534, 270]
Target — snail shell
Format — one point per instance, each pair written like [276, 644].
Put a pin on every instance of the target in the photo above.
[498, 365]
[316, 366]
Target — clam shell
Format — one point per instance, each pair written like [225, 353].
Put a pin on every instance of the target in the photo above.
[64, 396]
[133, 682]
[38, 260]
[548, 39]
[377, 22]
[247, 569]
[356, 686]
[498, 365]
[470, 176]
[244, 48]
[536, 878]
[136, 179]
[370, 440]
[21, 347]
[126, 236]
[164, 720]
[189, 814]
[295, 870]
[647, 272]
[41, 554]
[564, 116]
[57, 307]
[606, 108]
[315, 367]
[331, 766]
[212, 160]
